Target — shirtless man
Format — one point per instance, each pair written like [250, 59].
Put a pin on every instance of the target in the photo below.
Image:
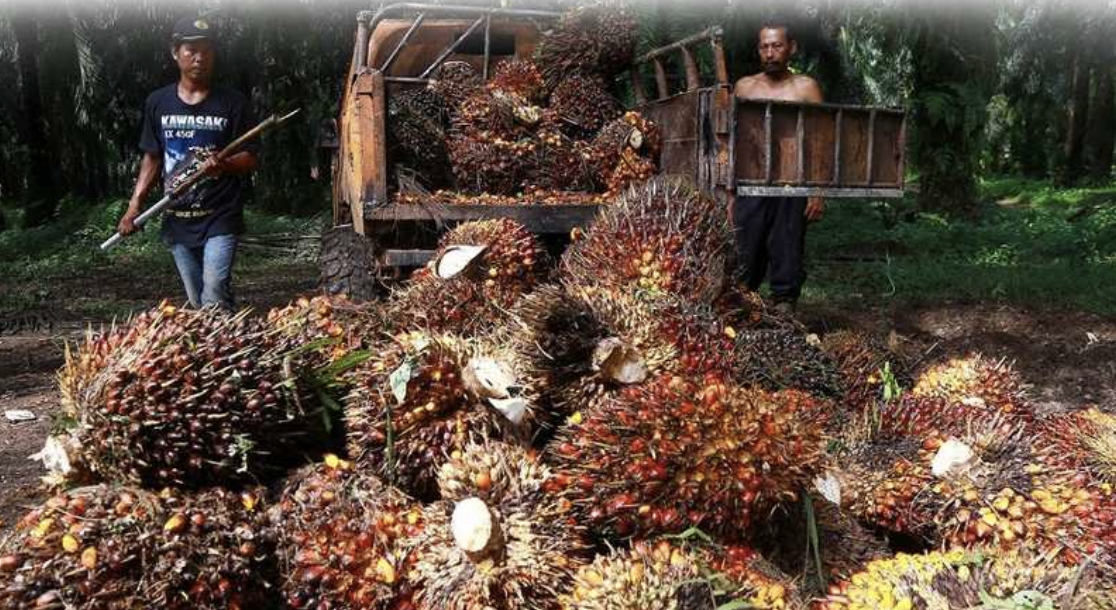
[770, 232]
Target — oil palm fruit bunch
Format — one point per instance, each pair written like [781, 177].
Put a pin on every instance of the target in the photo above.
[978, 381]
[497, 539]
[341, 539]
[582, 345]
[215, 549]
[81, 548]
[865, 367]
[454, 82]
[583, 105]
[189, 398]
[1080, 441]
[559, 162]
[784, 358]
[485, 164]
[744, 309]
[328, 328]
[108, 547]
[413, 404]
[674, 453]
[669, 576]
[845, 545]
[597, 39]
[626, 152]
[419, 123]
[480, 270]
[518, 76]
[662, 237]
[967, 579]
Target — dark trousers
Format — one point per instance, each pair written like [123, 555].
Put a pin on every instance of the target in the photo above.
[770, 234]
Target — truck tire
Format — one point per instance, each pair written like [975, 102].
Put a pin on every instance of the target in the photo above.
[348, 265]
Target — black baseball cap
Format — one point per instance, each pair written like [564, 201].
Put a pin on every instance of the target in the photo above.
[190, 29]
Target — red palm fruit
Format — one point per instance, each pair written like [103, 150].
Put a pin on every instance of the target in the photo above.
[341, 535]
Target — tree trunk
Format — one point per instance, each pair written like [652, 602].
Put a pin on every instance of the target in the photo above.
[1077, 118]
[39, 200]
[1102, 124]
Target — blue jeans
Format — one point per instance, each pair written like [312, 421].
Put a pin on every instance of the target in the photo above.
[206, 271]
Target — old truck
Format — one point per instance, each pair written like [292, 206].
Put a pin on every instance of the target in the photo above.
[727, 146]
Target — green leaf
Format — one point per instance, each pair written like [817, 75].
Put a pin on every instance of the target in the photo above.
[736, 604]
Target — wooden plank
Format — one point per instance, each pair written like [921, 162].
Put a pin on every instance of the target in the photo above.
[800, 146]
[784, 145]
[854, 147]
[371, 112]
[749, 143]
[720, 68]
[820, 133]
[693, 77]
[536, 218]
[760, 190]
[767, 151]
[886, 160]
[870, 156]
[660, 80]
[406, 258]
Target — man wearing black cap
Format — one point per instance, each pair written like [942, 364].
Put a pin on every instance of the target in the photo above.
[184, 124]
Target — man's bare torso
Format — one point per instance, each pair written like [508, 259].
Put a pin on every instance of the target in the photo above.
[789, 88]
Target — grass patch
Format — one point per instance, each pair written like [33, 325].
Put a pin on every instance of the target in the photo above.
[69, 248]
[1034, 245]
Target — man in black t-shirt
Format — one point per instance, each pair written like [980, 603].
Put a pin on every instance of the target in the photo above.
[183, 123]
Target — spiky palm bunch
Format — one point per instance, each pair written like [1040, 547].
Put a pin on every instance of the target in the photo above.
[862, 363]
[478, 296]
[977, 483]
[419, 121]
[959, 579]
[626, 152]
[583, 105]
[662, 237]
[454, 82]
[188, 398]
[744, 309]
[496, 540]
[977, 381]
[520, 77]
[669, 576]
[108, 547]
[675, 453]
[560, 163]
[579, 347]
[1079, 441]
[784, 358]
[591, 40]
[328, 328]
[412, 406]
[845, 545]
[340, 534]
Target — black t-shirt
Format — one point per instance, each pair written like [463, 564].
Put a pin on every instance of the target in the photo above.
[179, 131]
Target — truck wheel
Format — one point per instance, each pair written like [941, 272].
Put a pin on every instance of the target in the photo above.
[348, 264]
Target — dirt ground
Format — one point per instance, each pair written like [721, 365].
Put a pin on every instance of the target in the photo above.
[1069, 357]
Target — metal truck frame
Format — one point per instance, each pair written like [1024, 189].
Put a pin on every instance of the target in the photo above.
[726, 146]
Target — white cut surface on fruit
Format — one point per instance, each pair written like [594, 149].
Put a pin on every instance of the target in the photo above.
[953, 458]
[471, 525]
[619, 362]
[514, 408]
[456, 259]
[489, 377]
[829, 487]
[54, 456]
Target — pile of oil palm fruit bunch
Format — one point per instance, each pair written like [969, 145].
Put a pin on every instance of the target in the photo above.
[619, 428]
[538, 130]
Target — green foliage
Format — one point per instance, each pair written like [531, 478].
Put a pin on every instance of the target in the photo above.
[1035, 245]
